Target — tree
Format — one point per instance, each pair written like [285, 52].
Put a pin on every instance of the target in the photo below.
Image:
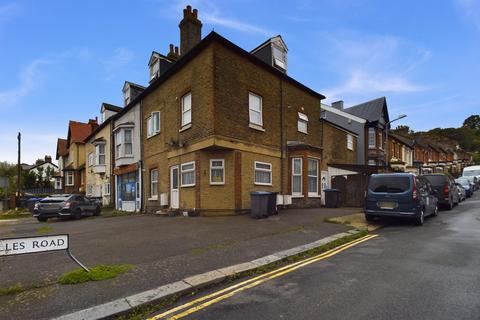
[472, 122]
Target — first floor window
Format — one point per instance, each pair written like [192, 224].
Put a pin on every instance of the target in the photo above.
[153, 183]
[127, 141]
[69, 178]
[302, 124]
[312, 177]
[349, 142]
[100, 154]
[90, 159]
[187, 174]
[118, 144]
[217, 171]
[297, 176]
[371, 138]
[187, 109]
[263, 173]
[255, 109]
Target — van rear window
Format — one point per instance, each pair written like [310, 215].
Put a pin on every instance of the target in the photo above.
[436, 180]
[389, 184]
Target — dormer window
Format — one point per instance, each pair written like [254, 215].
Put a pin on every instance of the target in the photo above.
[154, 68]
[126, 95]
[279, 57]
[102, 117]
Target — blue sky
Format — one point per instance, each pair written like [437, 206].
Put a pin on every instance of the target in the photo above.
[59, 60]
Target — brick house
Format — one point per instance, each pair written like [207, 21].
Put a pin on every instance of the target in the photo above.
[376, 114]
[60, 156]
[74, 160]
[220, 120]
[98, 148]
[400, 153]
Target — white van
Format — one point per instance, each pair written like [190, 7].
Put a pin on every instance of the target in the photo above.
[471, 173]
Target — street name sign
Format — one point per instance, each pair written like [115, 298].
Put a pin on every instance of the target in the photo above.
[16, 246]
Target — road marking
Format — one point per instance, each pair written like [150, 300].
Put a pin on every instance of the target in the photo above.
[250, 283]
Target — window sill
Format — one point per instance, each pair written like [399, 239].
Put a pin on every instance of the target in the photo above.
[297, 196]
[185, 127]
[124, 157]
[256, 127]
[217, 183]
[314, 196]
[153, 135]
[262, 184]
[187, 186]
[154, 198]
[302, 132]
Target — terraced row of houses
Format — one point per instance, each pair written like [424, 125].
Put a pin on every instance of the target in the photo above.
[217, 122]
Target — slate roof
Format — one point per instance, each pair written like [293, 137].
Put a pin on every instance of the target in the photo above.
[111, 107]
[370, 110]
[404, 140]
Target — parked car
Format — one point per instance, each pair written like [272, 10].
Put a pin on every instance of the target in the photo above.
[400, 195]
[447, 192]
[462, 193]
[473, 173]
[65, 206]
[467, 185]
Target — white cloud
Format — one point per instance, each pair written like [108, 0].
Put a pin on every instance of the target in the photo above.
[470, 10]
[29, 80]
[117, 61]
[373, 65]
[211, 13]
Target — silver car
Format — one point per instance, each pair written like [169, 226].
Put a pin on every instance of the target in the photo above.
[65, 206]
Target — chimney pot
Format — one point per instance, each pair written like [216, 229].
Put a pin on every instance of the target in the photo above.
[171, 47]
[176, 50]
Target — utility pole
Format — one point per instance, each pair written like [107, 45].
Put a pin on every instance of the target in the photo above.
[19, 168]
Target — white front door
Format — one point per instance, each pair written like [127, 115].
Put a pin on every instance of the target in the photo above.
[174, 193]
[325, 184]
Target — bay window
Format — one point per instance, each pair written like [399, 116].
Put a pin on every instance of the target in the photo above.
[312, 177]
[297, 180]
[217, 171]
[187, 174]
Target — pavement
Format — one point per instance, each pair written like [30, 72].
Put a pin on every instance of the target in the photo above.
[163, 250]
[407, 272]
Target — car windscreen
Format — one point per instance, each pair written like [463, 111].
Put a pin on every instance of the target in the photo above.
[463, 182]
[471, 173]
[389, 184]
[436, 180]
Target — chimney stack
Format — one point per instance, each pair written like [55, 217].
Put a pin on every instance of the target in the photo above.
[93, 123]
[190, 30]
[48, 159]
[338, 104]
[173, 52]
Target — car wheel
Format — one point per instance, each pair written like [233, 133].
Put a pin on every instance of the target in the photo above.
[369, 217]
[421, 218]
[42, 219]
[77, 215]
[435, 211]
[97, 211]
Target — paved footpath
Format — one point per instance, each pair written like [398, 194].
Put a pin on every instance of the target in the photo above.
[162, 249]
[407, 272]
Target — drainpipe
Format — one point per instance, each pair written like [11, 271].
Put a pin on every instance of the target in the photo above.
[282, 139]
[140, 163]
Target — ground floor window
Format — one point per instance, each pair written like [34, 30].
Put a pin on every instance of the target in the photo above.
[127, 186]
[297, 180]
[107, 189]
[217, 171]
[187, 175]
[153, 183]
[69, 180]
[263, 173]
[312, 177]
[58, 183]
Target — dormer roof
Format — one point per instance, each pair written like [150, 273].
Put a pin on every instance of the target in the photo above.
[156, 55]
[278, 40]
[132, 84]
[111, 107]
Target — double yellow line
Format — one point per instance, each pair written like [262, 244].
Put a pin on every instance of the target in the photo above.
[205, 301]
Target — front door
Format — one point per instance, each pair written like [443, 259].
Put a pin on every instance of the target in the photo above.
[174, 193]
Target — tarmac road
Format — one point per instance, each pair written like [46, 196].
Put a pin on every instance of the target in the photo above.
[407, 272]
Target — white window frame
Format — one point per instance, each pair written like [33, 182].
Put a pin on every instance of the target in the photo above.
[186, 111]
[372, 138]
[222, 167]
[279, 61]
[152, 183]
[250, 109]
[349, 142]
[255, 169]
[124, 141]
[155, 67]
[107, 189]
[120, 142]
[302, 120]
[69, 174]
[297, 193]
[91, 159]
[380, 135]
[58, 183]
[182, 171]
[312, 194]
[153, 127]
[98, 154]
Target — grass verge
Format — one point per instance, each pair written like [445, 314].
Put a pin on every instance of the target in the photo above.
[98, 273]
[12, 290]
[44, 230]
[144, 311]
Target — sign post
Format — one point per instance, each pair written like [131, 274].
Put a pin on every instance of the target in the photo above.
[17, 246]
